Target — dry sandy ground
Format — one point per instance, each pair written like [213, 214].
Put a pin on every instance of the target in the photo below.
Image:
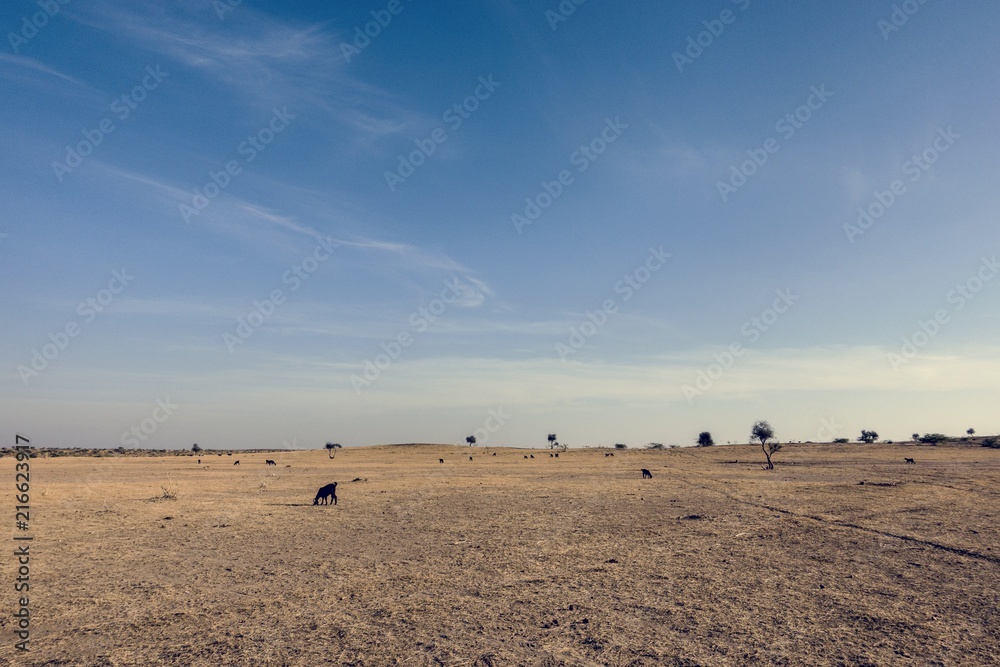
[507, 561]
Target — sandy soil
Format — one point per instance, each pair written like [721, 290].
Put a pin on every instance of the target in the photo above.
[511, 561]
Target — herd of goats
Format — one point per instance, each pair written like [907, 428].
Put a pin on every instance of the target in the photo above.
[328, 493]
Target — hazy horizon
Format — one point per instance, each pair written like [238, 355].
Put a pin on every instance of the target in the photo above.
[269, 225]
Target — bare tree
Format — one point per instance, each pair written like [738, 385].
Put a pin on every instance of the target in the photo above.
[763, 432]
[332, 447]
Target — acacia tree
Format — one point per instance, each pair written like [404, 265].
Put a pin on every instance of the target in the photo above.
[552, 441]
[971, 431]
[331, 448]
[868, 437]
[195, 448]
[471, 440]
[705, 439]
[763, 432]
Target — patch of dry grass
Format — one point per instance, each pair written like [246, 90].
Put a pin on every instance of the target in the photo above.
[506, 561]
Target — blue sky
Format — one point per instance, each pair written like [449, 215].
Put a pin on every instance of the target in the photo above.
[619, 225]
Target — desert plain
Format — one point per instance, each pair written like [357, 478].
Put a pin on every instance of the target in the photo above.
[842, 555]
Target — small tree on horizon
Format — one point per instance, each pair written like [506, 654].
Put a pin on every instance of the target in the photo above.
[763, 432]
[868, 437]
[195, 448]
[971, 431]
[619, 445]
[705, 439]
[552, 441]
[332, 447]
[471, 440]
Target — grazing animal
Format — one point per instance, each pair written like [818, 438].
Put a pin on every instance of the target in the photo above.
[550, 456]
[326, 493]
[494, 453]
[532, 456]
[646, 474]
[525, 457]
[236, 462]
[470, 458]
[557, 454]
[440, 460]
[270, 462]
[199, 461]
[909, 460]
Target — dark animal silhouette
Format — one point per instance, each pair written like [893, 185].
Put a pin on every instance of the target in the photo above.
[326, 493]
[606, 454]
[494, 453]
[199, 461]
[270, 462]
[532, 456]
[236, 462]
[440, 460]
[557, 454]
[551, 455]
[525, 457]
[909, 461]
[470, 458]
[646, 473]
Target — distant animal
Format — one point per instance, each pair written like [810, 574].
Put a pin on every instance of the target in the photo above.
[557, 454]
[440, 460]
[470, 458]
[326, 493]
[606, 454]
[525, 457]
[494, 453]
[551, 455]
[227, 454]
[236, 462]
[270, 462]
[199, 461]
[646, 474]
[532, 456]
[909, 460]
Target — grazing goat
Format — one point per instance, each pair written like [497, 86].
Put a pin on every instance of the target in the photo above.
[494, 453]
[326, 492]
[551, 455]
[525, 457]
[199, 461]
[646, 474]
[470, 458]
[557, 454]
[909, 460]
[236, 462]
[270, 462]
[440, 460]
